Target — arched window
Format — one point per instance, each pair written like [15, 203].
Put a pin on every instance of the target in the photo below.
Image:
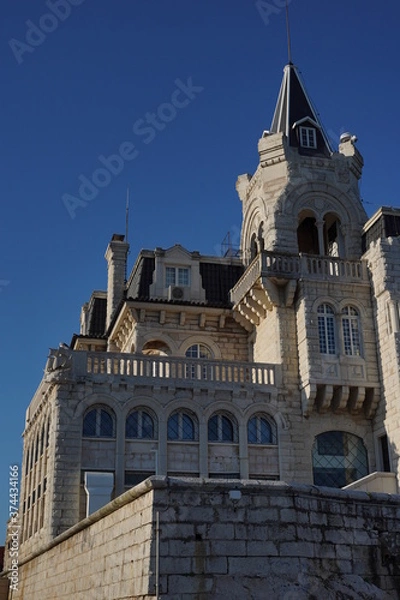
[140, 425]
[351, 331]
[221, 428]
[194, 371]
[99, 422]
[339, 458]
[181, 427]
[156, 348]
[260, 430]
[198, 351]
[253, 247]
[332, 235]
[326, 329]
[307, 233]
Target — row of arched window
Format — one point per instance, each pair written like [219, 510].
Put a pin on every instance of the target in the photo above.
[99, 422]
[328, 322]
[35, 481]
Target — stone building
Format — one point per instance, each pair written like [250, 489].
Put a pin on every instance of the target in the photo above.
[280, 362]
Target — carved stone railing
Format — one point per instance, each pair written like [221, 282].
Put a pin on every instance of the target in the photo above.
[327, 267]
[278, 266]
[165, 367]
[275, 265]
[247, 280]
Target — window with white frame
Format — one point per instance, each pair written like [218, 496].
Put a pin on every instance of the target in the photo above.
[140, 425]
[177, 276]
[351, 331]
[308, 137]
[196, 371]
[260, 430]
[198, 351]
[99, 422]
[181, 427]
[326, 329]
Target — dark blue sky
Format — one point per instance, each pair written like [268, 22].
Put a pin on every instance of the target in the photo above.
[90, 85]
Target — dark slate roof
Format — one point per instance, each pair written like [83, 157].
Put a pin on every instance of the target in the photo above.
[142, 279]
[217, 279]
[294, 105]
[97, 317]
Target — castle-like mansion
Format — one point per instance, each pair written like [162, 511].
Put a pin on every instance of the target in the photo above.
[279, 363]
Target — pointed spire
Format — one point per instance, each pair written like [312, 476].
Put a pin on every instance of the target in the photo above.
[295, 113]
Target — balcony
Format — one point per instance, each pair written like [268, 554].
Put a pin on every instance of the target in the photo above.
[271, 279]
[70, 365]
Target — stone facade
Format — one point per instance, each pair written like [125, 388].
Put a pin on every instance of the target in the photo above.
[280, 363]
[245, 540]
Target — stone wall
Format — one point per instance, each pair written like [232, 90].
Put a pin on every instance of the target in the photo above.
[240, 540]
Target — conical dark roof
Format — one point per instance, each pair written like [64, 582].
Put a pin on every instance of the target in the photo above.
[294, 109]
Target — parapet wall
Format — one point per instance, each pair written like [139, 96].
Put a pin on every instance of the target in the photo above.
[239, 540]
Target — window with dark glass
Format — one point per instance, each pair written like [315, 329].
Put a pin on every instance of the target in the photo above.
[260, 431]
[339, 458]
[326, 329]
[140, 425]
[351, 331]
[181, 427]
[308, 137]
[221, 429]
[98, 422]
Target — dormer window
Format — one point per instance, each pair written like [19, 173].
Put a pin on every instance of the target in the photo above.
[177, 276]
[308, 137]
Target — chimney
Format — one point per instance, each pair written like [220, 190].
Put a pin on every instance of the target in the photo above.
[115, 256]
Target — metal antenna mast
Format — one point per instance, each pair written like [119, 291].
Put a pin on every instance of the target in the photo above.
[288, 34]
[127, 215]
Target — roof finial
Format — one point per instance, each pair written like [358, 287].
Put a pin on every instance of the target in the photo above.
[288, 34]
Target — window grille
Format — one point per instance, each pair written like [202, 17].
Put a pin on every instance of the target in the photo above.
[221, 429]
[339, 458]
[351, 331]
[140, 425]
[260, 431]
[177, 276]
[181, 427]
[98, 422]
[326, 329]
[308, 137]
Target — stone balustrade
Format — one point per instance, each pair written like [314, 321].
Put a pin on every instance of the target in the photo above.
[295, 266]
[167, 367]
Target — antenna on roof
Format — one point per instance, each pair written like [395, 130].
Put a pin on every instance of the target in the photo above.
[127, 215]
[126, 229]
[288, 34]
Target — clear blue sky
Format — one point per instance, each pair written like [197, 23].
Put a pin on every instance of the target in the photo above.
[76, 93]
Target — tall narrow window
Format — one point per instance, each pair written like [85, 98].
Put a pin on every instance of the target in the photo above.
[384, 452]
[326, 329]
[196, 371]
[351, 331]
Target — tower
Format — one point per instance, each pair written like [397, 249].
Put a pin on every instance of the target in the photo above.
[306, 289]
